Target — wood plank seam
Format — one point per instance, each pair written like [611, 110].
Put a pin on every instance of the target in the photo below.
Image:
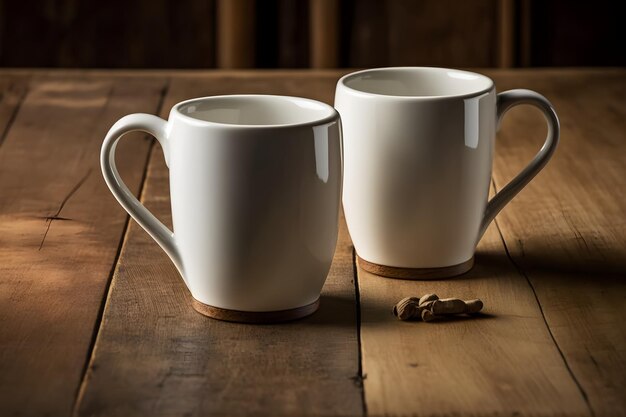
[16, 110]
[60, 119]
[357, 295]
[586, 241]
[107, 294]
[543, 316]
[124, 236]
[474, 367]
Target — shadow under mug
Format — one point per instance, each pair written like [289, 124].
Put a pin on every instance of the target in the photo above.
[418, 146]
[255, 184]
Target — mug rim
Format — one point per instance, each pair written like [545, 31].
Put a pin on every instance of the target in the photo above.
[331, 116]
[478, 92]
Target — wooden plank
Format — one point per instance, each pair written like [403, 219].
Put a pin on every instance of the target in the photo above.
[59, 232]
[324, 27]
[235, 33]
[108, 34]
[504, 363]
[368, 35]
[558, 38]
[553, 341]
[444, 33]
[156, 356]
[572, 262]
[506, 33]
[427, 32]
[525, 33]
[292, 35]
[566, 231]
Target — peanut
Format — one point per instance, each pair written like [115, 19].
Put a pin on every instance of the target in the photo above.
[407, 308]
[428, 297]
[473, 306]
[429, 307]
[428, 315]
[448, 306]
[426, 306]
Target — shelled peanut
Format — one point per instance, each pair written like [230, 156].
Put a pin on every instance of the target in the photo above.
[430, 307]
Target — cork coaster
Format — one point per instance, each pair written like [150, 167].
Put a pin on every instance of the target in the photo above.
[258, 317]
[415, 273]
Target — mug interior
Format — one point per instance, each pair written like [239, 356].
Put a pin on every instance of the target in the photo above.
[418, 82]
[257, 110]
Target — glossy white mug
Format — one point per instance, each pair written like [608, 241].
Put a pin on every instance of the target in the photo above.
[255, 185]
[418, 145]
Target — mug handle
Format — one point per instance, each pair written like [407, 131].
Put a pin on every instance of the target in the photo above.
[505, 101]
[156, 127]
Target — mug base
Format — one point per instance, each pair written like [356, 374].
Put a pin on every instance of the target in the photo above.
[415, 273]
[255, 317]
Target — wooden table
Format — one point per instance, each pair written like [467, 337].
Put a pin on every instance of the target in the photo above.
[94, 319]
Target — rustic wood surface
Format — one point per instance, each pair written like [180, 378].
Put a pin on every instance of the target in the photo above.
[59, 231]
[178, 362]
[94, 319]
[287, 33]
[567, 231]
[502, 363]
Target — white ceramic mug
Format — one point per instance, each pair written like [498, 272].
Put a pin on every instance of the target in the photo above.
[255, 185]
[418, 146]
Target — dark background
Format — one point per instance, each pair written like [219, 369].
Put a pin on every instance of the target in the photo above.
[283, 33]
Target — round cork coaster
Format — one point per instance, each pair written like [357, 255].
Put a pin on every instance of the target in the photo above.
[257, 317]
[415, 273]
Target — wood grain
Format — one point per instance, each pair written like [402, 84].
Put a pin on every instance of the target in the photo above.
[506, 19]
[324, 28]
[293, 36]
[175, 34]
[367, 34]
[568, 34]
[553, 340]
[428, 32]
[156, 356]
[235, 33]
[108, 34]
[501, 363]
[525, 32]
[59, 232]
[567, 230]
